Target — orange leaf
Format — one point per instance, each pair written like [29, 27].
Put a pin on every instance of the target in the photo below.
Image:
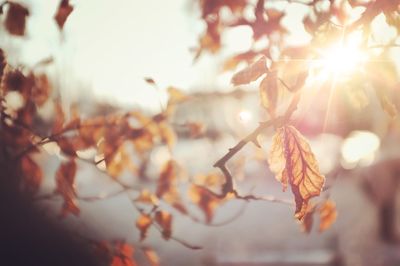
[15, 20]
[151, 256]
[66, 146]
[143, 223]
[64, 10]
[123, 255]
[167, 179]
[250, 73]
[206, 201]
[328, 215]
[147, 197]
[33, 174]
[164, 219]
[293, 162]
[65, 182]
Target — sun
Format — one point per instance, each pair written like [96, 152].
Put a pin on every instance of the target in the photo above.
[341, 59]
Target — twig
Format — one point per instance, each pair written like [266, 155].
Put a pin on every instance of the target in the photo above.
[221, 163]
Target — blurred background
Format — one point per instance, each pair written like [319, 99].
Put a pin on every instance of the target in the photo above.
[101, 58]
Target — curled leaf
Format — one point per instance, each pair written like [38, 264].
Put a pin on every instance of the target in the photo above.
[293, 162]
[250, 73]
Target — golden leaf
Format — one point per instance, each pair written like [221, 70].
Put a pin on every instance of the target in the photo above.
[147, 197]
[293, 162]
[205, 199]
[143, 223]
[167, 186]
[328, 215]
[151, 256]
[250, 73]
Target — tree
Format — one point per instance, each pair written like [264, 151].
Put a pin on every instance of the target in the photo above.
[283, 73]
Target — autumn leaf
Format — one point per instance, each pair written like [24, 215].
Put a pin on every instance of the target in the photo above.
[205, 199]
[16, 19]
[293, 162]
[328, 215]
[269, 92]
[151, 256]
[66, 146]
[146, 197]
[166, 186]
[143, 223]
[167, 178]
[164, 219]
[65, 185]
[33, 174]
[250, 73]
[123, 255]
[150, 81]
[63, 12]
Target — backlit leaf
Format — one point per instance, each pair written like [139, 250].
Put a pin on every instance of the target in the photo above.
[64, 10]
[269, 92]
[143, 223]
[16, 19]
[164, 219]
[250, 73]
[151, 256]
[123, 255]
[205, 199]
[328, 215]
[294, 164]
[65, 185]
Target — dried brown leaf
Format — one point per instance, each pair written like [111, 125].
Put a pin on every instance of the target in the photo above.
[16, 19]
[63, 12]
[205, 199]
[164, 219]
[293, 162]
[65, 186]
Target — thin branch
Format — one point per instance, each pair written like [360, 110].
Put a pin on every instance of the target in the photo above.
[252, 137]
